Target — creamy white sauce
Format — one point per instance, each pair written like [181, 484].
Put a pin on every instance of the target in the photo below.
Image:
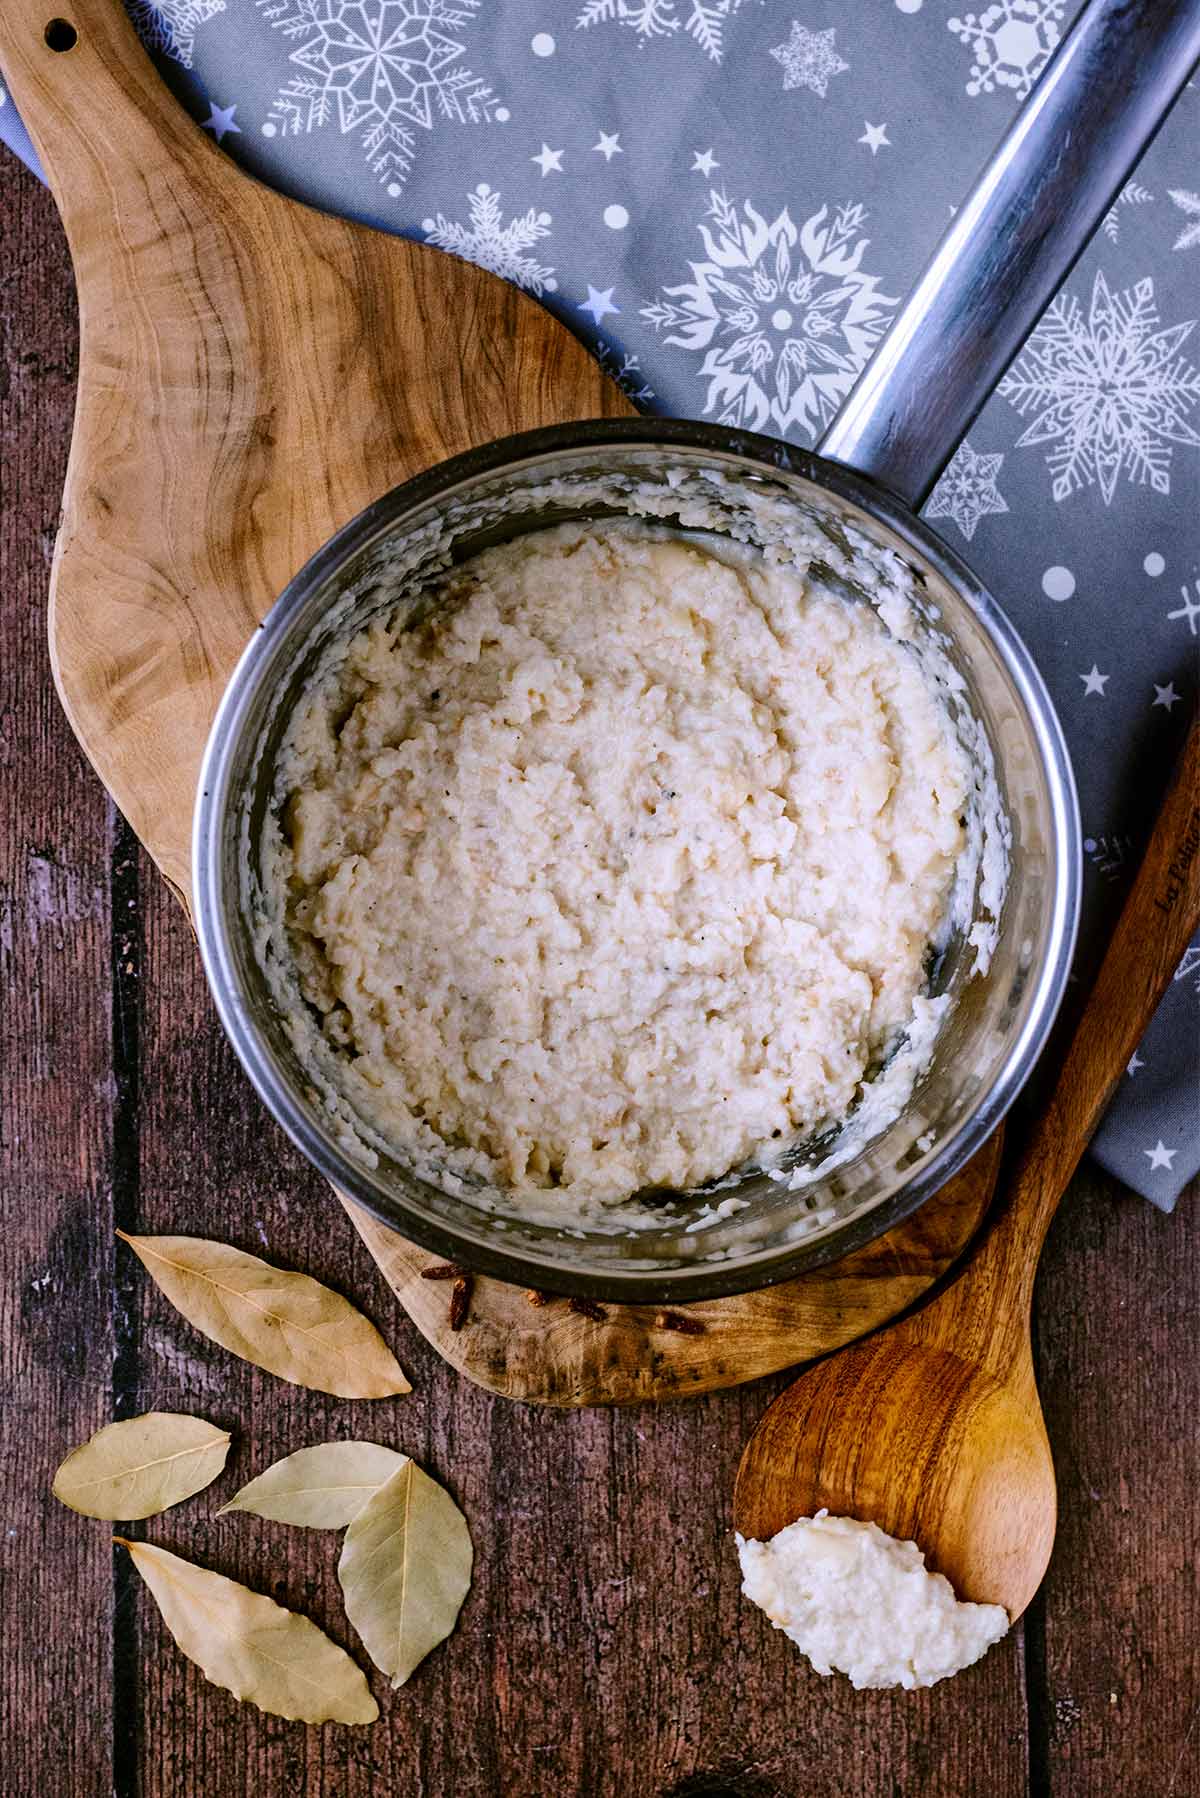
[623, 870]
[857, 1601]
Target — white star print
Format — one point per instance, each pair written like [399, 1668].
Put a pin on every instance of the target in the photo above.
[808, 59]
[875, 137]
[967, 490]
[1160, 1156]
[1166, 696]
[705, 162]
[220, 120]
[548, 159]
[1095, 682]
[609, 145]
[1189, 610]
[598, 305]
[1135, 1062]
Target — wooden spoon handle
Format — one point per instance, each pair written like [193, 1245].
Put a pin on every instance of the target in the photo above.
[991, 1300]
[1159, 919]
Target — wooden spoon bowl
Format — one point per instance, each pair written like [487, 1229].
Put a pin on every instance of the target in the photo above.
[933, 1429]
[946, 1454]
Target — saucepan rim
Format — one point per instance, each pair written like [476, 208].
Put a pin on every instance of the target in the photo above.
[214, 925]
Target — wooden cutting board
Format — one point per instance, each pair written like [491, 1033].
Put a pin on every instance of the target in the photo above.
[551, 1355]
[252, 374]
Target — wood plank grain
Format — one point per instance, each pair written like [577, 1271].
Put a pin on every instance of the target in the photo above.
[55, 1053]
[1119, 1317]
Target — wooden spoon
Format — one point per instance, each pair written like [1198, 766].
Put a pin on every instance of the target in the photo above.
[933, 1429]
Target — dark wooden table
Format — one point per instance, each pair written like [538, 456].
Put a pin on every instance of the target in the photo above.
[604, 1648]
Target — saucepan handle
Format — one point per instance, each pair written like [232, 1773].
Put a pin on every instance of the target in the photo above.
[1097, 105]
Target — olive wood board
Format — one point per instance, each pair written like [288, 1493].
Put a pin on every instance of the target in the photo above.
[551, 1355]
[252, 373]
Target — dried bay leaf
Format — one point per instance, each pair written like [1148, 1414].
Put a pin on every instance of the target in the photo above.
[405, 1569]
[142, 1465]
[284, 1322]
[319, 1488]
[251, 1646]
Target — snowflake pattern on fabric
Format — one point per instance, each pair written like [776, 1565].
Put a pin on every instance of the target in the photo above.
[704, 21]
[808, 59]
[1011, 43]
[1189, 205]
[170, 26]
[1132, 194]
[786, 319]
[1108, 389]
[385, 66]
[626, 370]
[1189, 967]
[967, 490]
[1109, 855]
[500, 248]
[1189, 611]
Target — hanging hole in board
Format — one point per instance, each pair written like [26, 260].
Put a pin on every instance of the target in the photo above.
[61, 35]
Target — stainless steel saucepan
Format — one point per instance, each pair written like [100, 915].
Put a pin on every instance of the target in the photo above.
[1082, 129]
